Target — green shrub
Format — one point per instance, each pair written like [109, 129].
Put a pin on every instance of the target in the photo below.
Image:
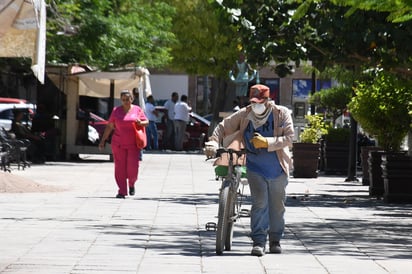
[314, 129]
[339, 135]
[381, 107]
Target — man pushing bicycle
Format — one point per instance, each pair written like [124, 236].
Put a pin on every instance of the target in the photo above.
[266, 131]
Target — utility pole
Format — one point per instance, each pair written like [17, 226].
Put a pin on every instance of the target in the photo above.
[313, 90]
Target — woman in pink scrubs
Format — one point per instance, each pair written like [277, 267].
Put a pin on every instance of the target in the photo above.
[126, 155]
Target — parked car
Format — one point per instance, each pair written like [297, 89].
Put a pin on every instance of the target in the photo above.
[196, 130]
[96, 124]
[7, 113]
[7, 100]
[208, 117]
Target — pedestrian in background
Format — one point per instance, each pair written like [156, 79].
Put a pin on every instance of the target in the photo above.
[36, 148]
[151, 130]
[182, 117]
[169, 137]
[266, 131]
[125, 152]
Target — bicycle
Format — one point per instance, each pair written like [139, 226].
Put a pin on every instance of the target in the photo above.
[230, 209]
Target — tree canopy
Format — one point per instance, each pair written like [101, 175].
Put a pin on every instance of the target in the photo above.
[110, 34]
[322, 32]
[399, 10]
[206, 42]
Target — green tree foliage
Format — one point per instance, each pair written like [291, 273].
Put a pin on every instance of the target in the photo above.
[399, 10]
[207, 44]
[381, 106]
[206, 41]
[108, 33]
[266, 30]
[333, 100]
[314, 130]
[322, 32]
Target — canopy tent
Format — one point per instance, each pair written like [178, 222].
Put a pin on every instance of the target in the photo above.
[23, 32]
[94, 84]
[103, 84]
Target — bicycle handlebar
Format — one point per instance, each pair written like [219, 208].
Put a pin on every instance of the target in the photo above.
[239, 153]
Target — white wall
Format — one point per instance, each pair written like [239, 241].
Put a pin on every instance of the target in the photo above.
[163, 85]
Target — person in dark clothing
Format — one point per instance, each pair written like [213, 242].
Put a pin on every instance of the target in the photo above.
[36, 148]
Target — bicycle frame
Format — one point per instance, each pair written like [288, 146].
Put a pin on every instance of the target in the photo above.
[229, 205]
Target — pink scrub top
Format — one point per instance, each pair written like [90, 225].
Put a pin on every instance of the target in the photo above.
[123, 134]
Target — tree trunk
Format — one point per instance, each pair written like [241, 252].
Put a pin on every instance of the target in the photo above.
[219, 90]
[352, 151]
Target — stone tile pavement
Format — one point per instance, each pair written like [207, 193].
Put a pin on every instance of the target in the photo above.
[332, 226]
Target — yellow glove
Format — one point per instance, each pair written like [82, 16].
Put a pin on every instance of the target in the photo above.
[259, 141]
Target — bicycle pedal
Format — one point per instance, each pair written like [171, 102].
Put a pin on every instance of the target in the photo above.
[211, 226]
[244, 212]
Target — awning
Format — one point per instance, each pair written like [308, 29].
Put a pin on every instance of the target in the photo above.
[23, 32]
[98, 83]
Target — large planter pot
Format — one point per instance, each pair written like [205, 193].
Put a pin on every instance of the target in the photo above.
[397, 177]
[306, 160]
[336, 157]
[365, 162]
[376, 187]
[376, 182]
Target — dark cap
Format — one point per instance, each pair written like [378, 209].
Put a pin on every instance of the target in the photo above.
[259, 93]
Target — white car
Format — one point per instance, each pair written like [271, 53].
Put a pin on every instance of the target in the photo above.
[93, 135]
[7, 113]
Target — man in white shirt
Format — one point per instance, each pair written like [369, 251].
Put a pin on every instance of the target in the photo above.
[151, 129]
[169, 136]
[182, 110]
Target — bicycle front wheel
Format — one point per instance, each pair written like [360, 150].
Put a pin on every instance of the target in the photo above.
[231, 220]
[223, 217]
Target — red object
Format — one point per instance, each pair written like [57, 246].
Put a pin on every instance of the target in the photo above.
[259, 93]
[196, 127]
[7, 100]
[140, 132]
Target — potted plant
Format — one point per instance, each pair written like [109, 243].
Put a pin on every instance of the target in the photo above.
[336, 150]
[335, 144]
[381, 107]
[366, 146]
[306, 152]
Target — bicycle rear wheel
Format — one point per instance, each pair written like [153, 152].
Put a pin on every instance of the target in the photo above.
[223, 217]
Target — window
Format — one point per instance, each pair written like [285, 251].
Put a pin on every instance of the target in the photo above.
[301, 88]
[273, 84]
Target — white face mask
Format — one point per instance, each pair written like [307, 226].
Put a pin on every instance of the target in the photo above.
[258, 109]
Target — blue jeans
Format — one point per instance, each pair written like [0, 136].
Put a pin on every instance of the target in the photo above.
[151, 133]
[268, 207]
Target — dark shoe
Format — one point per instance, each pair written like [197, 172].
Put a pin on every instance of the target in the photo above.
[258, 250]
[120, 196]
[274, 247]
[131, 190]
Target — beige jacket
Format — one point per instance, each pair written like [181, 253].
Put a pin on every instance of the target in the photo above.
[232, 128]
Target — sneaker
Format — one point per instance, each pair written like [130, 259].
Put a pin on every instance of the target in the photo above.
[131, 190]
[258, 250]
[274, 247]
[120, 196]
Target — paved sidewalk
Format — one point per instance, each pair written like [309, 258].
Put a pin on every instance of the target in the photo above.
[332, 226]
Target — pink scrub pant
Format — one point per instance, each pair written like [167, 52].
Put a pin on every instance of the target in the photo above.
[126, 166]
